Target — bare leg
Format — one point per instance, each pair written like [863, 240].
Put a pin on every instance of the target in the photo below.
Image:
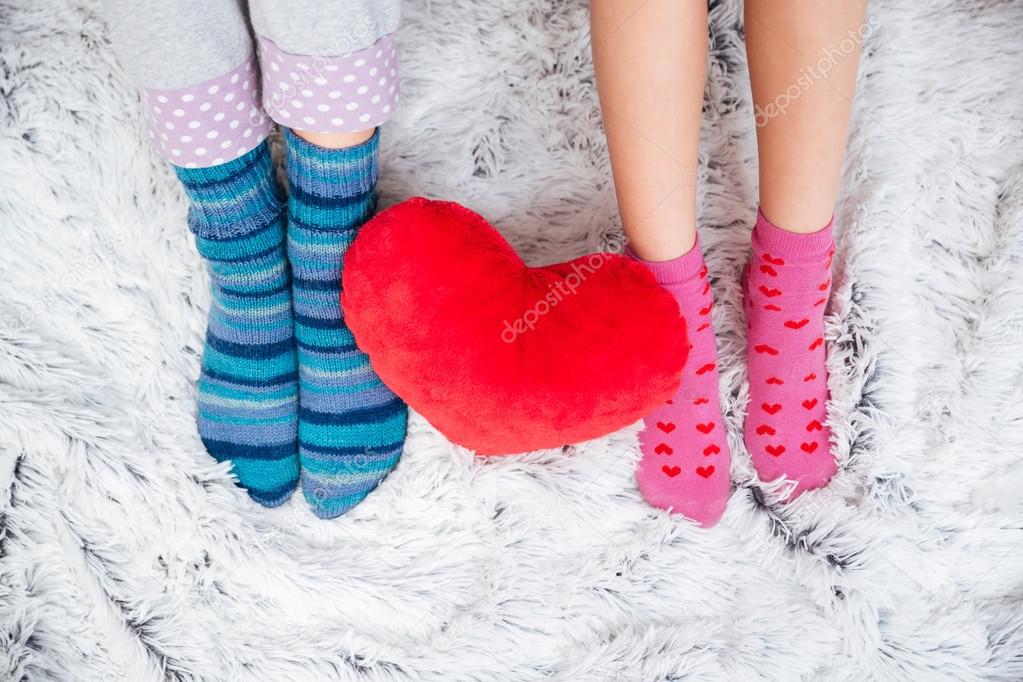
[803, 56]
[650, 58]
[335, 140]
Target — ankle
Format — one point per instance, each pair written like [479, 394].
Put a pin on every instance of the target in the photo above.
[768, 237]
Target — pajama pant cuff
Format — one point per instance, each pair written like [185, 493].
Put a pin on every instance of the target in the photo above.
[209, 123]
[342, 94]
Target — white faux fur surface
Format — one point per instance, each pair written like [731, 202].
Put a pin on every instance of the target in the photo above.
[126, 553]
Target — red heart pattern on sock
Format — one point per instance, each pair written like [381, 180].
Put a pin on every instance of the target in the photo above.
[787, 284]
[685, 461]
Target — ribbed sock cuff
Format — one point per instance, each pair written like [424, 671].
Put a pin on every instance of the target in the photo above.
[321, 172]
[234, 198]
[809, 246]
[676, 270]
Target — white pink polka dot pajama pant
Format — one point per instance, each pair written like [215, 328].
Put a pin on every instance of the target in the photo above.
[215, 73]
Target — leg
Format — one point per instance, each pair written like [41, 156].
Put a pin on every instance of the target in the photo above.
[651, 60]
[328, 73]
[198, 76]
[803, 59]
[351, 427]
[199, 82]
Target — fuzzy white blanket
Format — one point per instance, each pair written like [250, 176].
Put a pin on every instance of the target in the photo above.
[126, 553]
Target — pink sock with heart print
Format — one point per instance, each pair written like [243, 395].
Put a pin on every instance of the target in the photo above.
[685, 464]
[787, 288]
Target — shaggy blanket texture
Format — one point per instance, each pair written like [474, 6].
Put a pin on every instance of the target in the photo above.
[126, 553]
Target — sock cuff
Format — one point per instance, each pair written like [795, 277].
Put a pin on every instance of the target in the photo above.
[770, 238]
[323, 172]
[676, 270]
[233, 198]
[256, 159]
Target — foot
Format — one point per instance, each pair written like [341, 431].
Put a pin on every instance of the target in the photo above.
[685, 464]
[787, 287]
[248, 392]
[351, 427]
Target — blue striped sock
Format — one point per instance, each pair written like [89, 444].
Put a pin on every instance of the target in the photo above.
[351, 427]
[248, 394]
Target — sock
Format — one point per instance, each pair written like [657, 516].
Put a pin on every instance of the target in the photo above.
[685, 464]
[248, 394]
[787, 288]
[351, 427]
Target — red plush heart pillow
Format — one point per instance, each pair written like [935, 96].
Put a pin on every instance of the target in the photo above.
[501, 357]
